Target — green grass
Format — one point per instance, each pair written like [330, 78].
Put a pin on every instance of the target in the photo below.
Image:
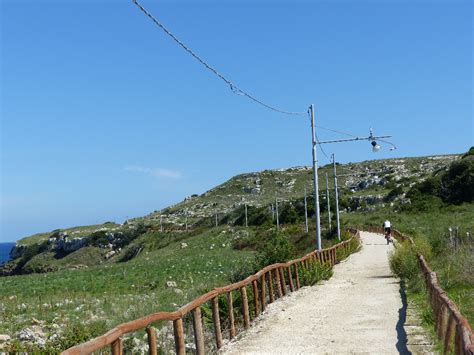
[119, 292]
[84, 257]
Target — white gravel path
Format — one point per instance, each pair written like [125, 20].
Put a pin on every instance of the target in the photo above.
[354, 312]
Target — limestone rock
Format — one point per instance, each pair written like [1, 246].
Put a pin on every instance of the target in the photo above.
[171, 284]
[4, 338]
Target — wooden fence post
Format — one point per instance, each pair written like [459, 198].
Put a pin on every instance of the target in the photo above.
[179, 336]
[198, 333]
[117, 347]
[278, 282]
[448, 338]
[263, 290]
[151, 333]
[290, 279]
[458, 340]
[230, 307]
[255, 298]
[282, 281]
[270, 286]
[298, 285]
[217, 321]
[245, 307]
[441, 321]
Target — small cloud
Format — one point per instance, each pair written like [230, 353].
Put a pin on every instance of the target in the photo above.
[155, 172]
[166, 173]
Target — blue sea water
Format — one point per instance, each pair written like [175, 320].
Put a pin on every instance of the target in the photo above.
[5, 251]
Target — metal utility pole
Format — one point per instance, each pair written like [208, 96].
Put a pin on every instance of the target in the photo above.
[315, 181]
[305, 211]
[186, 219]
[246, 219]
[161, 223]
[336, 197]
[328, 202]
[278, 221]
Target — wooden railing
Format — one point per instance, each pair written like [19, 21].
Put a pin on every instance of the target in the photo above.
[452, 328]
[270, 283]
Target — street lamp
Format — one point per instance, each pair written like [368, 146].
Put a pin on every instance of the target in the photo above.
[375, 148]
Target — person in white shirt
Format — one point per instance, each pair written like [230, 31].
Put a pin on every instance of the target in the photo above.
[387, 227]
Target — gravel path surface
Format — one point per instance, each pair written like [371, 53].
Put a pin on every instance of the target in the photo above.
[359, 310]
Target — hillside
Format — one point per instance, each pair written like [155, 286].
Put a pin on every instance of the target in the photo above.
[363, 186]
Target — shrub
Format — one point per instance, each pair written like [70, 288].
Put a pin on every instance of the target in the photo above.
[404, 262]
[394, 193]
[288, 215]
[314, 273]
[278, 249]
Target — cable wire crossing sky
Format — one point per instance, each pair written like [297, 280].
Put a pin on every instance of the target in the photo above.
[232, 86]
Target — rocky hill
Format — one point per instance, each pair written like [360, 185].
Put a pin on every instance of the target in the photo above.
[369, 180]
[363, 185]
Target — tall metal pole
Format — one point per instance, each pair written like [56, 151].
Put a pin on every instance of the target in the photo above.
[161, 223]
[315, 181]
[328, 202]
[276, 209]
[246, 219]
[305, 211]
[337, 198]
[186, 220]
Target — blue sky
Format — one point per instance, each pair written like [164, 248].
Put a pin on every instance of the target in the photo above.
[103, 117]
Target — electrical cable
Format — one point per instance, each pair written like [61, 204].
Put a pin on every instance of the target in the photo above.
[232, 86]
[336, 131]
[320, 146]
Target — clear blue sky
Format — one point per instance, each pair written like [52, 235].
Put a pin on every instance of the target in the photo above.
[104, 117]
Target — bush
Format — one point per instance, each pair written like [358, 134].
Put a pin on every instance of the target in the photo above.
[288, 215]
[314, 273]
[404, 262]
[277, 250]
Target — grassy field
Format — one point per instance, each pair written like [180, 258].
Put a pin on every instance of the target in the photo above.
[103, 296]
[454, 266]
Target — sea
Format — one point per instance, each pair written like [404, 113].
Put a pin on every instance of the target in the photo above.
[5, 251]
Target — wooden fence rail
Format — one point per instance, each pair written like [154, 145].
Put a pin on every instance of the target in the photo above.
[452, 328]
[269, 284]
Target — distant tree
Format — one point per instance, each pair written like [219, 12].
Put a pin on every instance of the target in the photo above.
[288, 215]
[470, 152]
[458, 182]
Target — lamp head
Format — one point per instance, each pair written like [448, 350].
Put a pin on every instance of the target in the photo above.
[375, 146]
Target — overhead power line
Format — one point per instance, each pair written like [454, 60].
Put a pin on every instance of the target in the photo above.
[336, 131]
[235, 89]
[320, 146]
